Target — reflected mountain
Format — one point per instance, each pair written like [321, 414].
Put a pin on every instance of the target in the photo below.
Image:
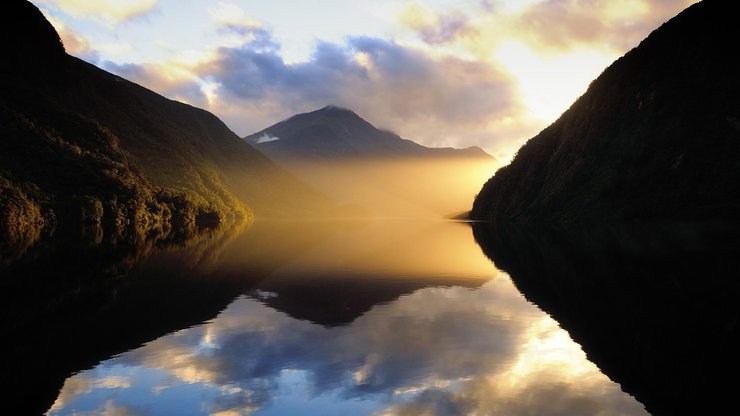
[66, 306]
[437, 351]
[358, 268]
[339, 300]
[653, 305]
[69, 306]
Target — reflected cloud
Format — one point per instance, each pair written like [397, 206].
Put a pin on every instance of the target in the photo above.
[441, 351]
[73, 387]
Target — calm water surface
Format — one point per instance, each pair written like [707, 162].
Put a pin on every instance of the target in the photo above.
[378, 318]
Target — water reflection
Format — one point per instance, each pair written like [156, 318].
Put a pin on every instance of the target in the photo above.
[654, 305]
[455, 337]
[67, 306]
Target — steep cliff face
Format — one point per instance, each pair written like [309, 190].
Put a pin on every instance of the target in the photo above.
[657, 135]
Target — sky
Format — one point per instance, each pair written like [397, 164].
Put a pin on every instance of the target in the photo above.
[488, 73]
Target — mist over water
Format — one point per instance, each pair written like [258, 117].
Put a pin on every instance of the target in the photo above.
[402, 187]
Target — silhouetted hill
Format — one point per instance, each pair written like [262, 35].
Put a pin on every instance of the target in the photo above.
[36, 41]
[333, 132]
[657, 135]
[79, 145]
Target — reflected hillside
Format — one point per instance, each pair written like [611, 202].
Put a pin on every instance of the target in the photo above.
[653, 305]
[68, 305]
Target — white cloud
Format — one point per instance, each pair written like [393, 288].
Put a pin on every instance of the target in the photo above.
[111, 12]
[74, 43]
[266, 138]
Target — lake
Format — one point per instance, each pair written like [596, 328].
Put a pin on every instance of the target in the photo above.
[381, 317]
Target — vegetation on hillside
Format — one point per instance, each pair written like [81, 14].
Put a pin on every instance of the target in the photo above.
[85, 153]
[64, 173]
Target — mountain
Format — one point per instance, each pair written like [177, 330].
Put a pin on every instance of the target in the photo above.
[333, 132]
[375, 171]
[656, 135]
[80, 147]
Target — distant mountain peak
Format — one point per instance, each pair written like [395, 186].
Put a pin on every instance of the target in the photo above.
[337, 132]
[334, 107]
[332, 110]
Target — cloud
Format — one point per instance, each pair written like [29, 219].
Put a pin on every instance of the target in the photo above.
[551, 50]
[74, 43]
[265, 138]
[439, 351]
[111, 12]
[565, 24]
[73, 387]
[490, 73]
[172, 79]
[560, 26]
[425, 98]
[538, 397]
[433, 402]
[436, 28]
[230, 19]
[110, 409]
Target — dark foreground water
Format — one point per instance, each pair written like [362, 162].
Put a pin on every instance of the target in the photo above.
[375, 318]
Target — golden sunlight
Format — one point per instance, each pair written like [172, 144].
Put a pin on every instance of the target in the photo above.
[548, 83]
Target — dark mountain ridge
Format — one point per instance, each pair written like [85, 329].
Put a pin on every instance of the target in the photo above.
[80, 147]
[657, 135]
[335, 132]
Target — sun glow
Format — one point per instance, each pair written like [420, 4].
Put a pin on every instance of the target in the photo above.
[549, 83]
